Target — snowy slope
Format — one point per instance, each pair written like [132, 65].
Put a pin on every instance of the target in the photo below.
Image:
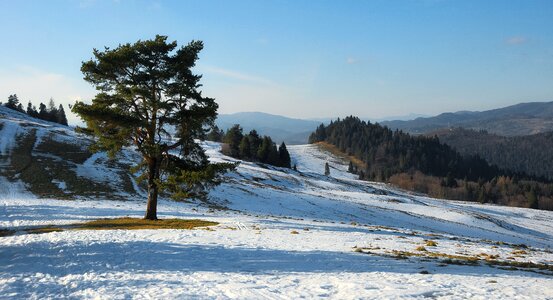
[49, 159]
[285, 235]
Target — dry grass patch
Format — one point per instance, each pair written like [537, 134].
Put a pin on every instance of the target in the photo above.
[136, 224]
[45, 229]
[6, 232]
[431, 243]
[519, 252]
[337, 152]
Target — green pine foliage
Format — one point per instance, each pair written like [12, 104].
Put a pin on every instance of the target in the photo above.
[14, 104]
[426, 165]
[215, 134]
[388, 152]
[530, 154]
[50, 113]
[252, 147]
[146, 88]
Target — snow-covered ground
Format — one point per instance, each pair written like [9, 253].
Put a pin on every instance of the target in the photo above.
[285, 235]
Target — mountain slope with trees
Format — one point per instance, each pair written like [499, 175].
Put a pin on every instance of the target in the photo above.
[531, 154]
[49, 113]
[251, 146]
[281, 129]
[424, 164]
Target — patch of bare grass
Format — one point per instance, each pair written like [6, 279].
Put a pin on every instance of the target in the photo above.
[6, 232]
[431, 243]
[136, 224]
[420, 248]
[45, 229]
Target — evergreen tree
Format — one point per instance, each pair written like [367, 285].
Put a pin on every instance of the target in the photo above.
[216, 134]
[145, 88]
[61, 118]
[327, 169]
[31, 110]
[273, 157]
[532, 199]
[244, 148]
[13, 103]
[52, 111]
[42, 112]
[264, 149]
[350, 167]
[233, 137]
[255, 142]
[284, 156]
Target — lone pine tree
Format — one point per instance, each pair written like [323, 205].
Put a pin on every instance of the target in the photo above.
[146, 89]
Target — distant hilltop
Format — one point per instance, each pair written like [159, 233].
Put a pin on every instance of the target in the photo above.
[515, 120]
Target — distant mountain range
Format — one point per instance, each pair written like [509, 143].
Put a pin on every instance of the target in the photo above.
[515, 120]
[291, 131]
[283, 129]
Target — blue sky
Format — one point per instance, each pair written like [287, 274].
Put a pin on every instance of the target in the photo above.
[299, 58]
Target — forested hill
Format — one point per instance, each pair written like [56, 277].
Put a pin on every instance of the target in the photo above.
[424, 164]
[531, 154]
[385, 152]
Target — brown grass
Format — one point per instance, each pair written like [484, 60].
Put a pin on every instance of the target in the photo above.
[431, 243]
[334, 150]
[45, 229]
[136, 224]
[119, 223]
[6, 232]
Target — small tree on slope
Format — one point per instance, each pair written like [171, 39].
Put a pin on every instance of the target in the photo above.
[146, 88]
[327, 169]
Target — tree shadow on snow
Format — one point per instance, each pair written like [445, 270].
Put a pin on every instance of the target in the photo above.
[59, 259]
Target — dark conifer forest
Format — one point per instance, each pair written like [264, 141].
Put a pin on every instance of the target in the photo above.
[45, 112]
[424, 164]
[530, 154]
[251, 146]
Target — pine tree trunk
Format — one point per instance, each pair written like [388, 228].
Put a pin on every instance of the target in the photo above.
[151, 207]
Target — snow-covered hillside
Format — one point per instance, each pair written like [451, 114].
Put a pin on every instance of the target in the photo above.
[282, 235]
[51, 160]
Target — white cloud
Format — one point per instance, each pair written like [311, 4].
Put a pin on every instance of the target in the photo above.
[235, 75]
[36, 85]
[516, 40]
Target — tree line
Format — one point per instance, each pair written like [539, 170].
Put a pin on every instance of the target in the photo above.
[385, 152]
[250, 146]
[45, 112]
[424, 164]
[530, 154]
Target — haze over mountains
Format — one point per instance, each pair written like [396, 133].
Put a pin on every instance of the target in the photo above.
[279, 128]
[516, 120]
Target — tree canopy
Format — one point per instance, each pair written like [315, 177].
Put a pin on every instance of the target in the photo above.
[148, 97]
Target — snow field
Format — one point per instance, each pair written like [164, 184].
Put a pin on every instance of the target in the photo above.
[285, 235]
